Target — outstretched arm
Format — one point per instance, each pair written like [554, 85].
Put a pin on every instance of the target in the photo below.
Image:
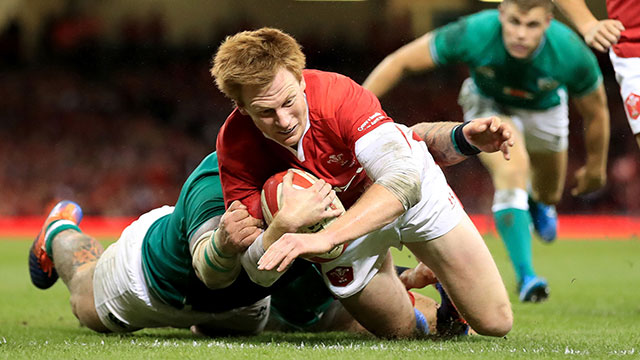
[486, 134]
[599, 34]
[414, 56]
[595, 113]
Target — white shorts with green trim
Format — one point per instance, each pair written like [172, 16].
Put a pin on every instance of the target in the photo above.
[543, 130]
[123, 301]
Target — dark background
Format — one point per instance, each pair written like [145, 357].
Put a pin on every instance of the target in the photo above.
[110, 103]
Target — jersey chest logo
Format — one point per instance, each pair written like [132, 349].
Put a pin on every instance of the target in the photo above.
[547, 84]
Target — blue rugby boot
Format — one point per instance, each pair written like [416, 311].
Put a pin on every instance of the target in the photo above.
[449, 323]
[545, 220]
[66, 214]
[533, 289]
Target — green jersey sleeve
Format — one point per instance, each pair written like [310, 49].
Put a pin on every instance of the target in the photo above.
[465, 39]
[585, 75]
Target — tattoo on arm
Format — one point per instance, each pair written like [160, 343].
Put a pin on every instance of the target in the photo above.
[437, 136]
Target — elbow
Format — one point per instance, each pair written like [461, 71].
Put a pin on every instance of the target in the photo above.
[405, 185]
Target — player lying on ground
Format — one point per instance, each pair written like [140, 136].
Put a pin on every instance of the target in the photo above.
[522, 65]
[167, 269]
[396, 195]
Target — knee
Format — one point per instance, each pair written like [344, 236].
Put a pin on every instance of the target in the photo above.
[85, 311]
[498, 324]
[550, 198]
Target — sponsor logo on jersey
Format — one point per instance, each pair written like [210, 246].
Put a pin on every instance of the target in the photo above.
[371, 120]
[632, 103]
[517, 93]
[547, 84]
[486, 71]
[340, 276]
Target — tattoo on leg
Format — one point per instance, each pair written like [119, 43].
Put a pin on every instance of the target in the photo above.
[88, 252]
[71, 250]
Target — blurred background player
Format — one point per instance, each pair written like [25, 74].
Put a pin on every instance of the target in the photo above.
[288, 116]
[620, 33]
[518, 57]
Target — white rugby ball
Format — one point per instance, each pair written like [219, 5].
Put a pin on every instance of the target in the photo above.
[272, 194]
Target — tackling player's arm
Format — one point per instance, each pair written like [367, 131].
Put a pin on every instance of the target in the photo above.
[595, 113]
[216, 245]
[451, 142]
[412, 57]
[599, 34]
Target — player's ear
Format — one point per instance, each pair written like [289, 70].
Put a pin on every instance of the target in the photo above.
[303, 84]
[241, 108]
[548, 19]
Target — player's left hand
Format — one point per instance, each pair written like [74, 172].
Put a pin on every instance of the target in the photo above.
[290, 246]
[489, 135]
[588, 181]
[238, 229]
[418, 277]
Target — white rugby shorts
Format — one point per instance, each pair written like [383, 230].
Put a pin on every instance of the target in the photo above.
[543, 130]
[437, 213]
[628, 77]
[123, 301]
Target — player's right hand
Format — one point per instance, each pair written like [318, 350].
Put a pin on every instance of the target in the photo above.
[603, 34]
[238, 229]
[305, 207]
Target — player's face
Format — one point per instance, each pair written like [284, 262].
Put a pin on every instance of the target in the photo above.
[279, 110]
[522, 31]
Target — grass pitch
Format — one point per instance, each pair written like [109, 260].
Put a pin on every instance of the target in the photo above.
[593, 312]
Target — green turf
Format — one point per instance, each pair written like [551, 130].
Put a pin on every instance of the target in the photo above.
[593, 312]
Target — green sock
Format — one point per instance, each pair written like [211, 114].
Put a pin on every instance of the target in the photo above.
[54, 229]
[514, 227]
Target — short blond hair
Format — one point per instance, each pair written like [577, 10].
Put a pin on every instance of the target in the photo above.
[253, 58]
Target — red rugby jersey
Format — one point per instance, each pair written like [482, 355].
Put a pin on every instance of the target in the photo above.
[340, 112]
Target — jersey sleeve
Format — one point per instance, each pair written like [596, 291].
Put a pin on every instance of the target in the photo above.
[585, 75]
[449, 43]
[238, 183]
[357, 112]
[464, 40]
[242, 169]
[202, 202]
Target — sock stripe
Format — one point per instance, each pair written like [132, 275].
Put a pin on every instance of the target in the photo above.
[54, 229]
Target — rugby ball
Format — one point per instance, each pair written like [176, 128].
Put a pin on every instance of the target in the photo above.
[272, 195]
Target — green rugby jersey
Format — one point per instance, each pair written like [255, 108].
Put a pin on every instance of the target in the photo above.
[166, 259]
[561, 62]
